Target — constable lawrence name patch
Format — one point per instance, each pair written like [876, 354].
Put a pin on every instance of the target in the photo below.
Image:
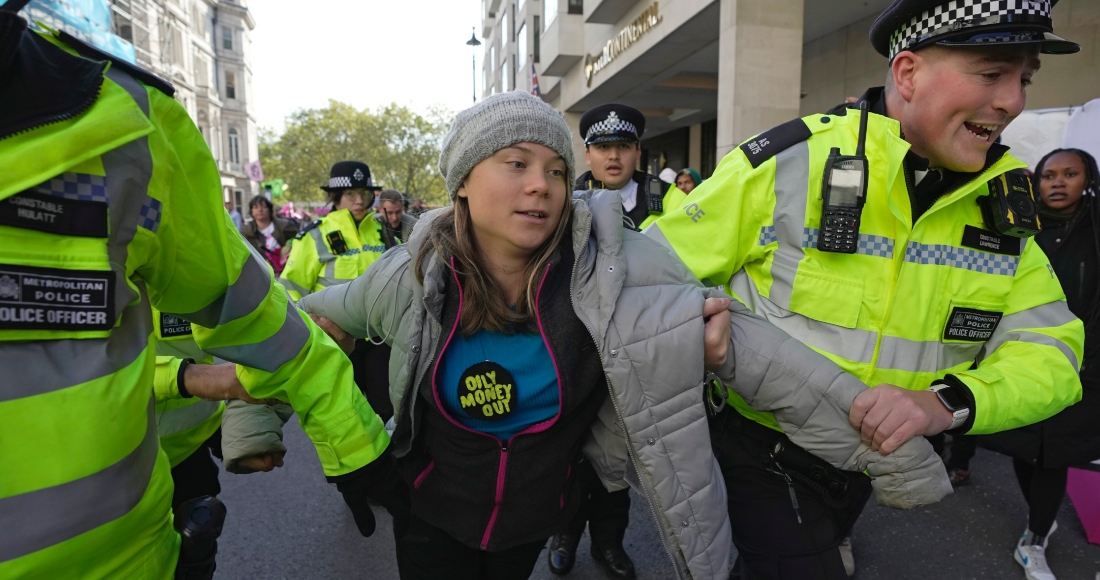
[988, 241]
[971, 325]
[54, 299]
[55, 215]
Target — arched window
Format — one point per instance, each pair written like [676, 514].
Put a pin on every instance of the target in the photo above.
[234, 147]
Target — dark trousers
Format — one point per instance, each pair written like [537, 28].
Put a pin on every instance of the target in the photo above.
[370, 364]
[197, 475]
[426, 552]
[962, 449]
[771, 542]
[607, 513]
[1044, 489]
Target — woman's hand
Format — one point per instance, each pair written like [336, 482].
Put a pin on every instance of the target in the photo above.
[262, 462]
[716, 332]
[345, 341]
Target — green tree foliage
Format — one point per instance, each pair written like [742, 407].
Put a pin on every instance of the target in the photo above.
[400, 145]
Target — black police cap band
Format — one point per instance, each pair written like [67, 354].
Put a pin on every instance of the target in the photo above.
[914, 24]
[612, 122]
[349, 175]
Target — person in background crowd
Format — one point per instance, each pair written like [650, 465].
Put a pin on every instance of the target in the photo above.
[612, 147]
[688, 179]
[920, 272]
[1068, 182]
[335, 250]
[267, 233]
[234, 214]
[417, 208]
[522, 327]
[397, 224]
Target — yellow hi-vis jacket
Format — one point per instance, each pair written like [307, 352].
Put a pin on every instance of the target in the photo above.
[107, 209]
[182, 424]
[314, 265]
[916, 302]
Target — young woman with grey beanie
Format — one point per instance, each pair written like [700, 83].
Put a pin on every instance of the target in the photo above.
[532, 331]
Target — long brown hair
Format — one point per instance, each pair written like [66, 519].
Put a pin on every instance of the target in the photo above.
[484, 305]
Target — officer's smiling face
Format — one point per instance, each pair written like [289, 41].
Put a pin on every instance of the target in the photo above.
[613, 163]
[516, 199]
[957, 101]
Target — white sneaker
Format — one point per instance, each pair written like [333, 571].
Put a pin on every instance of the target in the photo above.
[846, 556]
[1034, 561]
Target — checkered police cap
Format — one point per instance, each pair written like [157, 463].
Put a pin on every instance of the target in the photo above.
[612, 122]
[913, 24]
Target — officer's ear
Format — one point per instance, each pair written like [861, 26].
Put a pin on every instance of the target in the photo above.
[903, 73]
[587, 158]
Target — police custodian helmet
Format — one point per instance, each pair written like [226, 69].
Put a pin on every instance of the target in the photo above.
[914, 24]
[349, 175]
[612, 122]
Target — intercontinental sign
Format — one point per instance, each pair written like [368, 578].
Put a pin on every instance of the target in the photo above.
[594, 63]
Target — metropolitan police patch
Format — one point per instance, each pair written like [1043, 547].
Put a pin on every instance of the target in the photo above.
[971, 325]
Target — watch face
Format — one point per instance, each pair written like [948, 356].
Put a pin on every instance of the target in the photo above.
[952, 398]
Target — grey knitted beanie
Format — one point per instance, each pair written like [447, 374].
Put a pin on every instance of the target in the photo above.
[500, 121]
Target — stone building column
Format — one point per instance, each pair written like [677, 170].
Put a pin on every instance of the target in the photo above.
[759, 68]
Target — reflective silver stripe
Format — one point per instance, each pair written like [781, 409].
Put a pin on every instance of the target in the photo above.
[1049, 315]
[964, 258]
[240, 299]
[131, 85]
[330, 282]
[998, 339]
[42, 518]
[292, 285]
[792, 179]
[917, 356]
[36, 367]
[181, 419]
[852, 344]
[274, 351]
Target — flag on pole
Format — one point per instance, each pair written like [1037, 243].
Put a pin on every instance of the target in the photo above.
[534, 81]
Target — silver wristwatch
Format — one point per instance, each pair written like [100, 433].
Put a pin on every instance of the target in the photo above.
[954, 401]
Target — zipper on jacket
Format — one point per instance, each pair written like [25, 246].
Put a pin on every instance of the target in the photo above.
[498, 495]
[622, 424]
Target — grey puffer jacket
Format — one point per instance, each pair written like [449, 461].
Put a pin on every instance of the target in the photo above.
[652, 433]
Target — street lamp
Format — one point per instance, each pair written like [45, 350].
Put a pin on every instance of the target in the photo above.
[473, 43]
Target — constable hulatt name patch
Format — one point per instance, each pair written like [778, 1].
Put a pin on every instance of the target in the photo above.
[971, 324]
[172, 326]
[486, 391]
[55, 299]
[55, 215]
[988, 241]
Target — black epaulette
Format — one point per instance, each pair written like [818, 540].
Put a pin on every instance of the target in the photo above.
[311, 225]
[775, 140]
[88, 51]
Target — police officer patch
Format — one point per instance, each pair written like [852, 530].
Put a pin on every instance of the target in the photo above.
[173, 326]
[55, 299]
[486, 391]
[971, 324]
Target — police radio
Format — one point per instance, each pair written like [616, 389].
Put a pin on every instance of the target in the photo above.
[655, 202]
[843, 193]
[1010, 207]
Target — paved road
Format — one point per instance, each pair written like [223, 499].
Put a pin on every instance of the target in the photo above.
[291, 524]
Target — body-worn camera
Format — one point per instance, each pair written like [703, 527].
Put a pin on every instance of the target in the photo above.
[1010, 207]
[336, 242]
[843, 193]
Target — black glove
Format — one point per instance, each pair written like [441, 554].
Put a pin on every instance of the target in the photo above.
[380, 482]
